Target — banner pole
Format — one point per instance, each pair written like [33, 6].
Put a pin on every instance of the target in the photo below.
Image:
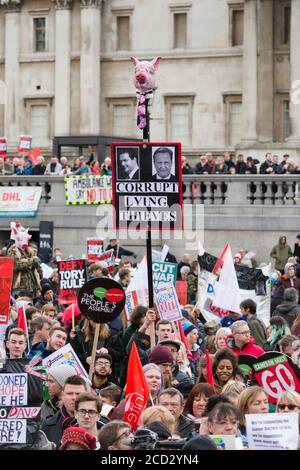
[91, 371]
[73, 318]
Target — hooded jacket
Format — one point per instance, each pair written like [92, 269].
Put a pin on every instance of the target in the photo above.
[287, 310]
[250, 348]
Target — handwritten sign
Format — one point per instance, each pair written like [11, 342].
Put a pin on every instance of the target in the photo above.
[13, 431]
[167, 302]
[272, 431]
[13, 389]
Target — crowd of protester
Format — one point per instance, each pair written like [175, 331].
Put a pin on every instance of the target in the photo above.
[80, 414]
[207, 165]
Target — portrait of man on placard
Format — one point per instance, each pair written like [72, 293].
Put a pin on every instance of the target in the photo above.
[163, 163]
[128, 163]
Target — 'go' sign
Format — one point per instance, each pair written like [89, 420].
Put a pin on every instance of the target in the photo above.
[276, 373]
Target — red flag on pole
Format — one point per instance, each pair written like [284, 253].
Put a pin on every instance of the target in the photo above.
[137, 391]
[183, 340]
[6, 277]
[22, 323]
[209, 373]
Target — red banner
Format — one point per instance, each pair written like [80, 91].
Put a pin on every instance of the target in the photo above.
[181, 291]
[6, 277]
[108, 257]
[25, 144]
[3, 147]
[72, 276]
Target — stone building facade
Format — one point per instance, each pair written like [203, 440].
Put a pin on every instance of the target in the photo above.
[229, 78]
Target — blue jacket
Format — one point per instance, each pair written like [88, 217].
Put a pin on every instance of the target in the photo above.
[39, 347]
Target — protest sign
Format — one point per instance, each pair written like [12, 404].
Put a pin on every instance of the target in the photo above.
[147, 185]
[72, 276]
[167, 302]
[246, 362]
[227, 442]
[13, 431]
[6, 277]
[94, 249]
[101, 300]
[46, 240]
[65, 355]
[163, 273]
[90, 189]
[272, 431]
[13, 389]
[181, 291]
[25, 143]
[24, 412]
[109, 258]
[3, 147]
[276, 373]
[19, 201]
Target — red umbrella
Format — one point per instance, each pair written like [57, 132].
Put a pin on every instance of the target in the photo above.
[67, 315]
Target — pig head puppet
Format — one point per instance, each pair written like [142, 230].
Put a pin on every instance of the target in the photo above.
[19, 234]
[144, 81]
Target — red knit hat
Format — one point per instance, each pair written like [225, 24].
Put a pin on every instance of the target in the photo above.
[79, 436]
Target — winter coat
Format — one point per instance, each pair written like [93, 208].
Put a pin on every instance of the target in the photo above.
[181, 381]
[55, 425]
[27, 272]
[281, 253]
[286, 283]
[211, 328]
[249, 348]
[258, 330]
[39, 347]
[113, 344]
[49, 408]
[287, 310]
[192, 287]
[185, 426]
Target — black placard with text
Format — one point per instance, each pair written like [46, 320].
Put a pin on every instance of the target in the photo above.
[147, 185]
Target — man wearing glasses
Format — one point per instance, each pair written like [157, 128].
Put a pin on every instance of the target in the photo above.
[116, 435]
[241, 342]
[102, 371]
[87, 413]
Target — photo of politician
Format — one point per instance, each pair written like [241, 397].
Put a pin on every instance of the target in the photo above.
[128, 163]
[163, 164]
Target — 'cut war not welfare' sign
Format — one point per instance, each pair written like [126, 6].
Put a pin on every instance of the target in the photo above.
[163, 273]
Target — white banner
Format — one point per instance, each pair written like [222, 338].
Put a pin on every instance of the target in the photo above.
[65, 355]
[272, 431]
[88, 189]
[19, 201]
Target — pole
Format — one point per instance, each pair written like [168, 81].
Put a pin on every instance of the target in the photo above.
[91, 370]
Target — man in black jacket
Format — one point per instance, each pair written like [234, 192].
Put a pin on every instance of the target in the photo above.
[119, 251]
[55, 426]
[267, 167]
[172, 399]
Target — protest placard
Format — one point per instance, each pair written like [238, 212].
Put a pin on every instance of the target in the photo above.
[46, 240]
[89, 189]
[13, 389]
[65, 355]
[101, 300]
[227, 442]
[109, 258]
[147, 185]
[94, 249]
[167, 302]
[3, 147]
[25, 143]
[13, 431]
[272, 431]
[24, 412]
[6, 277]
[72, 276]
[163, 273]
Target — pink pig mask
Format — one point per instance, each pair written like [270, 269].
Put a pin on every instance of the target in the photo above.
[19, 234]
[144, 79]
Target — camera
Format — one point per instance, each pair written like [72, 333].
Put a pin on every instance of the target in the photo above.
[145, 439]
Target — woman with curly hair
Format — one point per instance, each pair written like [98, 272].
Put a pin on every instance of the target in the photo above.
[225, 367]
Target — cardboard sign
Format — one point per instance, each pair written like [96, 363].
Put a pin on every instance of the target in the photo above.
[3, 147]
[94, 249]
[181, 291]
[101, 300]
[276, 373]
[6, 277]
[147, 185]
[109, 258]
[72, 276]
[13, 389]
[65, 355]
[88, 189]
[272, 431]
[13, 431]
[163, 273]
[25, 143]
[167, 302]
[19, 201]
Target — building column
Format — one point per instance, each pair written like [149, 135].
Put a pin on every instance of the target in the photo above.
[295, 73]
[266, 82]
[62, 109]
[12, 71]
[249, 116]
[90, 67]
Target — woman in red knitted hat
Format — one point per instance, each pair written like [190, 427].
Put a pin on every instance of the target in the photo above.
[77, 439]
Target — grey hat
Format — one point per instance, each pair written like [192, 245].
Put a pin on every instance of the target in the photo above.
[61, 373]
[287, 267]
[177, 344]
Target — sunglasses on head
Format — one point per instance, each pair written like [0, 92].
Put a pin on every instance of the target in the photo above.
[289, 406]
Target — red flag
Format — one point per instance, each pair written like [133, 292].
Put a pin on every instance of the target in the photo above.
[6, 277]
[183, 340]
[137, 391]
[22, 323]
[209, 373]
